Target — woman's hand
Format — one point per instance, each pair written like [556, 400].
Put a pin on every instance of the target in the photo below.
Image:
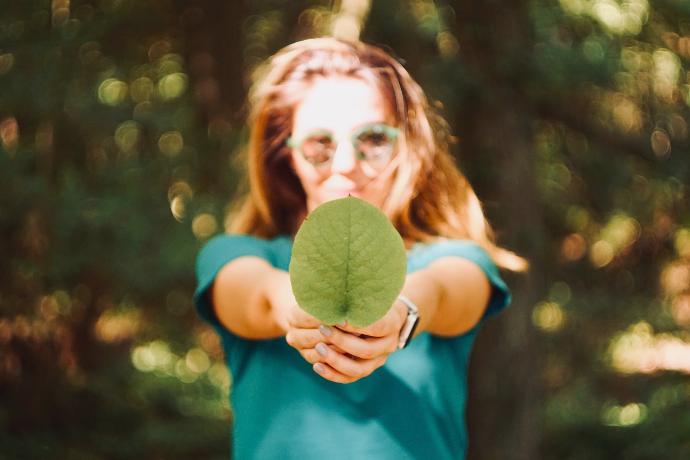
[345, 354]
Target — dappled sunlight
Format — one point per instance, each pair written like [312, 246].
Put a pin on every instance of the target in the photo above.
[204, 225]
[666, 73]
[112, 91]
[640, 350]
[573, 247]
[172, 86]
[60, 12]
[619, 17]
[681, 242]
[156, 357]
[660, 142]
[619, 233]
[141, 89]
[171, 143]
[118, 325]
[447, 44]
[680, 310]
[675, 278]
[623, 416]
[164, 79]
[6, 62]
[627, 114]
[152, 356]
[9, 134]
[548, 316]
[197, 360]
[127, 137]
[179, 194]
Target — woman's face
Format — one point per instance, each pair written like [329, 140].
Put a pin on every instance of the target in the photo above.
[334, 112]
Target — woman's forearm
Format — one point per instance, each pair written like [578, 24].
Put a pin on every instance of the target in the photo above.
[241, 298]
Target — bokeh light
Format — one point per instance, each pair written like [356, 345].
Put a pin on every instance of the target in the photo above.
[680, 310]
[172, 86]
[6, 63]
[118, 326]
[179, 194]
[639, 350]
[681, 242]
[9, 134]
[548, 316]
[573, 247]
[141, 89]
[154, 356]
[204, 225]
[617, 17]
[675, 278]
[127, 136]
[624, 416]
[619, 233]
[112, 91]
[197, 360]
[171, 143]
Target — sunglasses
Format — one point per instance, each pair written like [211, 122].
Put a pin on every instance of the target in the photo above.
[374, 144]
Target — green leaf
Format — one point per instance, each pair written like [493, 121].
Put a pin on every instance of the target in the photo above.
[348, 263]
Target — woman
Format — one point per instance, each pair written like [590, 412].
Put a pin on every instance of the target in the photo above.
[329, 119]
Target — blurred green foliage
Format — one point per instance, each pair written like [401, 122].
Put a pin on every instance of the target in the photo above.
[121, 123]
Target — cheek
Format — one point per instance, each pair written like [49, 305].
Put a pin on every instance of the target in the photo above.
[380, 192]
[304, 172]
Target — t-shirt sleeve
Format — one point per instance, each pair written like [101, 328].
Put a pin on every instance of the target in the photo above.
[215, 255]
[466, 249]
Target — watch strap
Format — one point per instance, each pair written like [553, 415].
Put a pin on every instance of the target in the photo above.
[410, 323]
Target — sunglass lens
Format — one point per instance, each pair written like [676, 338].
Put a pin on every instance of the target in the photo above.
[318, 149]
[375, 146]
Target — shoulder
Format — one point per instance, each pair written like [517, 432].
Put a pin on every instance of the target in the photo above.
[424, 254]
[222, 249]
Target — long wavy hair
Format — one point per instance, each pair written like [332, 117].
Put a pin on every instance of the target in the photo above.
[430, 198]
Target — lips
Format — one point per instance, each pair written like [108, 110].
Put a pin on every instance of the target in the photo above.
[342, 188]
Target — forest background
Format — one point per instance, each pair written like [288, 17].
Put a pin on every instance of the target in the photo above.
[121, 125]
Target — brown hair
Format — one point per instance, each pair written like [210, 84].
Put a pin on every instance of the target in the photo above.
[430, 199]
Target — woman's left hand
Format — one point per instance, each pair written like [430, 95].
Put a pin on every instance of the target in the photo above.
[345, 354]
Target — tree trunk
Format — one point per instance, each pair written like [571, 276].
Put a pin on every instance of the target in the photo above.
[495, 132]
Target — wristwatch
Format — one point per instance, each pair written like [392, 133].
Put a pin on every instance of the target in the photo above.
[410, 323]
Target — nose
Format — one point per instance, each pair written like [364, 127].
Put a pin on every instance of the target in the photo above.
[344, 160]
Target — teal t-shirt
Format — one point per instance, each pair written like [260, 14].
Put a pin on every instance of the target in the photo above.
[413, 407]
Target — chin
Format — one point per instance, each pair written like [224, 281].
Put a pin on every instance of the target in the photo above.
[331, 195]
[335, 194]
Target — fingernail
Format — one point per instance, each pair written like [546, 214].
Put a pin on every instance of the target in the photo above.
[322, 349]
[325, 330]
[318, 367]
